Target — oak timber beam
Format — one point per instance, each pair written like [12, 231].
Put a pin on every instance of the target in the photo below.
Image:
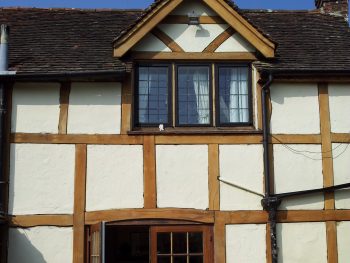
[241, 25]
[149, 173]
[64, 104]
[178, 19]
[246, 56]
[41, 220]
[75, 139]
[132, 214]
[167, 40]
[149, 22]
[219, 40]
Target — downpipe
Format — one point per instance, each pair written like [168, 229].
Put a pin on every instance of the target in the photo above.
[270, 203]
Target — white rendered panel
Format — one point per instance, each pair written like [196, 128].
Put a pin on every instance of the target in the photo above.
[298, 167]
[94, 108]
[246, 243]
[343, 241]
[35, 107]
[114, 177]
[182, 176]
[193, 38]
[150, 43]
[40, 245]
[339, 106]
[189, 6]
[302, 242]
[341, 155]
[235, 43]
[41, 179]
[236, 167]
[295, 109]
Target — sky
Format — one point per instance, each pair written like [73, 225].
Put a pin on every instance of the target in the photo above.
[255, 4]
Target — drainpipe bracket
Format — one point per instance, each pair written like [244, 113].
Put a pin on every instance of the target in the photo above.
[271, 203]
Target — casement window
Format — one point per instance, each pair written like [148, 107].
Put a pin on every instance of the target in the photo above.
[151, 242]
[181, 95]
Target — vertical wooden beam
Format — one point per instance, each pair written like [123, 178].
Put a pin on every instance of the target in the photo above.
[327, 161]
[79, 203]
[214, 186]
[149, 172]
[64, 104]
[127, 104]
[220, 238]
[214, 112]
[268, 244]
[332, 246]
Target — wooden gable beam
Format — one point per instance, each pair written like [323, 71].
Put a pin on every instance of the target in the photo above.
[219, 40]
[150, 22]
[168, 41]
[241, 25]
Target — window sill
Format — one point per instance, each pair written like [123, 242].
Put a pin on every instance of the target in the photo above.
[195, 131]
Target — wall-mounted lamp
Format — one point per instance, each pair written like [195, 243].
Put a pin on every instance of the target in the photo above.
[193, 18]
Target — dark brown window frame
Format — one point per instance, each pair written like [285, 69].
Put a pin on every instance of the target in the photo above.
[173, 91]
[217, 95]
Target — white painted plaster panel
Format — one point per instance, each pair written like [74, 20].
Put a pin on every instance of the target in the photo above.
[339, 106]
[114, 177]
[191, 5]
[302, 242]
[241, 165]
[246, 243]
[35, 107]
[193, 38]
[40, 245]
[182, 176]
[295, 109]
[150, 43]
[94, 108]
[341, 167]
[343, 240]
[41, 179]
[235, 43]
[298, 168]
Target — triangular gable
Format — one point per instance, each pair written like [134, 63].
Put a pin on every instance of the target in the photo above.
[162, 8]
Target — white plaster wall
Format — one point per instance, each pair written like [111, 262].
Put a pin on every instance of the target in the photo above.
[302, 242]
[41, 179]
[191, 5]
[241, 165]
[341, 167]
[182, 176]
[193, 38]
[151, 44]
[343, 240]
[236, 43]
[295, 109]
[339, 106]
[35, 107]
[246, 243]
[299, 168]
[114, 177]
[94, 108]
[40, 245]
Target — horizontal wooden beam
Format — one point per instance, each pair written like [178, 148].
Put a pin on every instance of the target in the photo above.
[132, 214]
[295, 139]
[75, 139]
[340, 137]
[248, 56]
[41, 220]
[178, 19]
[207, 139]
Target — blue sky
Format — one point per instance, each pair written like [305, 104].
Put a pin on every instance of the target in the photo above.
[266, 4]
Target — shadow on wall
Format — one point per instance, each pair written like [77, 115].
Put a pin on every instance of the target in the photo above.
[21, 249]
